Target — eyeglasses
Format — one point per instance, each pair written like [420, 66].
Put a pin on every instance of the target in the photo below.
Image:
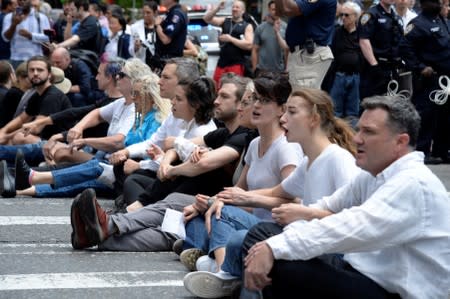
[263, 100]
[121, 75]
[345, 15]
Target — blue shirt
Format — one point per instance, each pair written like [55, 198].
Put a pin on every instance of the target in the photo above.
[138, 132]
[316, 22]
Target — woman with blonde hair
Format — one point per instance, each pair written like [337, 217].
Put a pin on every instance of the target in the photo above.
[151, 110]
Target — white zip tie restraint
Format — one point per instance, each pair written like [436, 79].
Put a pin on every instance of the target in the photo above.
[439, 96]
[392, 90]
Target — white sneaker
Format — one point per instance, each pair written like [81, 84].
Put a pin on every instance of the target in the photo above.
[211, 285]
[205, 263]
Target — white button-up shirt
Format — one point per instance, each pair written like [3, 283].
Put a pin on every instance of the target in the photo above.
[394, 228]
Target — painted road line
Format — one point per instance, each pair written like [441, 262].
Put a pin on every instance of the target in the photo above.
[34, 220]
[88, 280]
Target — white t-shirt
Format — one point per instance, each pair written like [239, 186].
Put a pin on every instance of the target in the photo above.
[119, 115]
[332, 169]
[265, 171]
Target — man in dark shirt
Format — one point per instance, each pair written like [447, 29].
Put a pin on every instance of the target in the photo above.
[87, 35]
[170, 32]
[47, 100]
[346, 64]
[77, 72]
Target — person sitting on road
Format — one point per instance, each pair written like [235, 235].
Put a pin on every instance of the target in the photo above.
[329, 164]
[390, 224]
[151, 110]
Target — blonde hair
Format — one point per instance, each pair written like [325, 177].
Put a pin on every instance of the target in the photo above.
[150, 92]
[338, 131]
[136, 69]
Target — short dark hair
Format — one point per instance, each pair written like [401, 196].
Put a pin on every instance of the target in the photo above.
[43, 59]
[201, 94]
[270, 3]
[120, 18]
[82, 3]
[273, 85]
[5, 71]
[5, 4]
[402, 115]
[153, 5]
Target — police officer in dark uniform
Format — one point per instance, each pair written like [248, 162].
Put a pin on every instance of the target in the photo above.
[308, 34]
[171, 32]
[426, 51]
[380, 31]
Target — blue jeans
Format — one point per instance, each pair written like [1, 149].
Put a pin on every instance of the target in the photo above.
[32, 152]
[72, 180]
[196, 234]
[345, 95]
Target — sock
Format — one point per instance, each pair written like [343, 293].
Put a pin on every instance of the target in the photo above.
[30, 177]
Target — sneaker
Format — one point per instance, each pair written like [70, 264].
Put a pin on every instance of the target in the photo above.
[190, 256]
[78, 238]
[107, 177]
[22, 172]
[177, 246]
[94, 217]
[205, 263]
[211, 285]
[8, 188]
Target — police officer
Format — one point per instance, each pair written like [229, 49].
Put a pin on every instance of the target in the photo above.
[380, 30]
[426, 50]
[308, 34]
[171, 32]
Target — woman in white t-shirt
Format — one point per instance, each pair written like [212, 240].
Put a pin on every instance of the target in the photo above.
[329, 164]
[270, 159]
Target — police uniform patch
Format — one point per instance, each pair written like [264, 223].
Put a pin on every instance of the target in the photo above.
[175, 19]
[409, 28]
[365, 18]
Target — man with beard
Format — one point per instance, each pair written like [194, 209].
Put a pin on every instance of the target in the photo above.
[426, 51]
[47, 100]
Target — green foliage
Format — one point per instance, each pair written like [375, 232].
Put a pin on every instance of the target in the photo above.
[129, 3]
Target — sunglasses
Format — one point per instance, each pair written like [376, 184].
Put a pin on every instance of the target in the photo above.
[345, 15]
[121, 75]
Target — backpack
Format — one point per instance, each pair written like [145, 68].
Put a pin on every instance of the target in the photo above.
[101, 40]
[88, 57]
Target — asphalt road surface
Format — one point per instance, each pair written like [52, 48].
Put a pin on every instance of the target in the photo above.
[37, 260]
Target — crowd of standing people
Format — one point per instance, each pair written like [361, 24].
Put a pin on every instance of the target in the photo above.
[301, 159]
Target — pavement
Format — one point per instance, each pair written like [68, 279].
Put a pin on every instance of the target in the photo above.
[37, 260]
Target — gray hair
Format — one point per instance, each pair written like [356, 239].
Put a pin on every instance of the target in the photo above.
[353, 6]
[238, 81]
[136, 69]
[402, 115]
[187, 68]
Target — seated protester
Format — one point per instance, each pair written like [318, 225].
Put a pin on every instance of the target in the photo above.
[34, 153]
[120, 44]
[329, 164]
[151, 110]
[269, 160]
[46, 100]
[79, 74]
[125, 231]
[194, 103]
[390, 223]
[118, 114]
[14, 94]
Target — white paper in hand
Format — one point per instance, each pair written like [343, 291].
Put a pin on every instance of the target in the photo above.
[174, 223]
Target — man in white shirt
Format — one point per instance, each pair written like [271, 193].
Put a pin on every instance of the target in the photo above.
[390, 223]
[402, 9]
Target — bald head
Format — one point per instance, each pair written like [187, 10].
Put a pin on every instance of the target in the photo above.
[60, 58]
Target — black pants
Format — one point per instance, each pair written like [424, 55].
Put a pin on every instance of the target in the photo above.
[327, 276]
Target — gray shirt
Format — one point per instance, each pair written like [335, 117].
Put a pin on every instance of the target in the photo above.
[271, 55]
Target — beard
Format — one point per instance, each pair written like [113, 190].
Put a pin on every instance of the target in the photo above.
[39, 82]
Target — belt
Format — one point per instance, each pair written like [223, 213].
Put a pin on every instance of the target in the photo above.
[301, 47]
